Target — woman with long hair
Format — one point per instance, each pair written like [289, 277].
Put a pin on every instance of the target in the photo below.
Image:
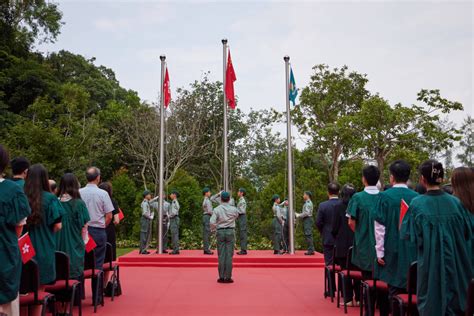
[44, 221]
[74, 221]
[440, 227]
[462, 181]
[110, 229]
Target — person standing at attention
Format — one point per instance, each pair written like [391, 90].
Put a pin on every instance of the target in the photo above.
[20, 166]
[277, 224]
[242, 207]
[223, 220]
[361, 211]
[206, 217]
[307, 216]
[174, 222]
[100, 209]
[14, 210]
[325, 221]
[146, 222]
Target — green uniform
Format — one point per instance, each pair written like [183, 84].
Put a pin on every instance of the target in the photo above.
[286, 229]
[14, 208]
[362, 209]
[308, 223]
[44, 239]
[242, 207]
[69, 238]
[174, 224]
[398, 253]
[146, 223]
[443, 232]
[206, 228]
[277, 226]
[223, 219]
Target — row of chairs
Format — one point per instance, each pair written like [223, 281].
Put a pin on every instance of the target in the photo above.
[67, 292]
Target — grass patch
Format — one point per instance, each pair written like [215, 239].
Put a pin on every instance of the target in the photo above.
[123, 251]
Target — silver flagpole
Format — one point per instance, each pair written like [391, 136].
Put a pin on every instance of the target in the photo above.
[225, 144]
[291, 212]
[162, 158]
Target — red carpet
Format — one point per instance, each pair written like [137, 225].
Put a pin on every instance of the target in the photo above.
[195, 258]
[185, 291]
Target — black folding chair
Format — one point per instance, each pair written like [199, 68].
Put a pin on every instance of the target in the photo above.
[96, 277]
[65, 290]
[405, 304]
[330, 277]
[30, 295]
[111, 266]
[372, 290]
[470, 299]
[351, 273]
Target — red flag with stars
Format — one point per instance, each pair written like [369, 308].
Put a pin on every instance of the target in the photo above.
[403, 212]
[229, 82]
[26, 248]
[166, 89]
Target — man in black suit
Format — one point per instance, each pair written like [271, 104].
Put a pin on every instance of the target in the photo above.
[325, 221]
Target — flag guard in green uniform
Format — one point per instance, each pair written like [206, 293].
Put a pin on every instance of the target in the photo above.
[242, 207]
[206, 216]
[174, 222]
[307, 217]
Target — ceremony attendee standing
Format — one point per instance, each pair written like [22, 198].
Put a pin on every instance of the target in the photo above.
[223, 220]
[361, 220]
[174, 222]
[394, 255]
[242, 207]
[100, 209]
[443, 232]
[14, 209]
[206, 217]
[44, 221]
[277, 224]
[325, 221]
[110, 229]
[307, 216]
[286, 227]
[146, 222]
[20, 166]
[74, 224]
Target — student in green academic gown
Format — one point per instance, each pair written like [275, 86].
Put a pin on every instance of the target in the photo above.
[44, 221]
[14, 209]
[361, 220]
[19, 167]
[74, 224]
[443, 232]
[394, 255]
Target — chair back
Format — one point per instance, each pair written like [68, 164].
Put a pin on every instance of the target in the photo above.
[470, 299]
[411, 281]
[62, 266]
[109, 256]
[30, 282]
[89, 261]
[349, 265]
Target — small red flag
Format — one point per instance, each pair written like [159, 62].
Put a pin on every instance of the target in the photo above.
[403, 211]
[26, 248]
[120, 214]
[90, 244]
[166, 89]
[229, 82]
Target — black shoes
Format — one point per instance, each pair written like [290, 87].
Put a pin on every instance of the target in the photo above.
[276, 252]
[145, 252]
[208, 252]
[220, 280]
[242, 252]
[174, 253]
[309, 253]
[227, 281]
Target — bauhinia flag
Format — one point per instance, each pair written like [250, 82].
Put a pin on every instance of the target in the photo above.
[166, 89]
[26, 248]
[229, 83]
[403, 212]
[293, 90]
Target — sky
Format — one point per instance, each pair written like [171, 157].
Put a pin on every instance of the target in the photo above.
[401, 46]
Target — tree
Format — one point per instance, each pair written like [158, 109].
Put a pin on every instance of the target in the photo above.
[331, 95]
[466, 155]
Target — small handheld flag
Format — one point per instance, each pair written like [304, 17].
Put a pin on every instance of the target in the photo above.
[293, 90]
[120, 214]
[90, 243]
[26, 248]
[403, 212]
[166, 89]
[229, 82]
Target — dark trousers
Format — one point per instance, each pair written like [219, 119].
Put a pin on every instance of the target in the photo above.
[328, 251]
[225, 251]
[206, 232]
[308, 233]
[286, 237]
[100, 237]
[243, 231]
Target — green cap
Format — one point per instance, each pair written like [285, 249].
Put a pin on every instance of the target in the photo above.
[309, 193]
[146, 192]
[205, 190]
[175, 192]
[242, 190]
[225, 195]
[275, 197]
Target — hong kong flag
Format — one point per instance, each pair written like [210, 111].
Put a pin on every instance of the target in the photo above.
[120, 214]
[26, 248]
[166, 89]
[403, 212]
[90, 243]
[229, 82]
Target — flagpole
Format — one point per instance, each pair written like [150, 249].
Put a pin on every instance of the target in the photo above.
[291, 213]
[225, 143]
[162, 158]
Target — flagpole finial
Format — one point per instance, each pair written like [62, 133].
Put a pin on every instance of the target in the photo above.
[224, 41]
[162, 57]
[286, 58]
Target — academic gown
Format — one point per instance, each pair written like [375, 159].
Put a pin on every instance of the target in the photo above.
[399, 253]
[69, 238]
[43, 237]
[14, 208]
[443, 232]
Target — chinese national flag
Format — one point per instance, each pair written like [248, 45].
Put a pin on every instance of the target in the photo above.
[26, 248]
[229, 82]
[120, 214]
[90, 244]
[166, 89]
[403, 211]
